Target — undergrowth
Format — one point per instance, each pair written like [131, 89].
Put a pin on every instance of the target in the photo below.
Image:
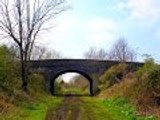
[141, 88]
[123, 110]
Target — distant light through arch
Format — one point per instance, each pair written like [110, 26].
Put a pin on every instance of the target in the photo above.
[68, 77]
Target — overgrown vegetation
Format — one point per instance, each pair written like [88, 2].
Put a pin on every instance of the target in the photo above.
[141, 88]
[14, 103]
[122, 88]
[123, 110]
[114, 74]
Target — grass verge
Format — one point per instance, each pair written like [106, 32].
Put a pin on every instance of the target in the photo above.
[112, 109]
[32, 111]
[122, 110]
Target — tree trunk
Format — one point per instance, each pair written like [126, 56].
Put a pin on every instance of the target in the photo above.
[24, 75]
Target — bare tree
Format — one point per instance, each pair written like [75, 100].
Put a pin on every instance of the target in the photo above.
[42, 52]
[94, 53]
[121, 51]
[22, 20]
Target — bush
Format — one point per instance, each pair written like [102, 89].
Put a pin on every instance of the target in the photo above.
[36, 83]
[142, 88]
[4, 66]
[57, 87]
[146, 88]
[154, 78]
[9, 69]
[148, 77]
[114, 74]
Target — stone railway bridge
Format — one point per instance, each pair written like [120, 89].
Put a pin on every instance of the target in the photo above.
[53, 68]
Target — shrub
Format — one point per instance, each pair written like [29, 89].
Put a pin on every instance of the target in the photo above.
[142, 88]
[148, 76]
[36, 83]
[114, 74]
[4, 66]
[146, 88]
[9, 70]
[57, 87]
[154, 78]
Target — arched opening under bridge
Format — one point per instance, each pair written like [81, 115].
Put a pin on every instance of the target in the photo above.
[71, 82]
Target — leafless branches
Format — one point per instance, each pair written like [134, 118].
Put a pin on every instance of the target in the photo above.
[22, 20]
[42, 52]
[121, 51]
[94, 53]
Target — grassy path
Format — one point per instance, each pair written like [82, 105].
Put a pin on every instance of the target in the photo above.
[78, 108]
[88, 108]
[75, 108]
[32, 111]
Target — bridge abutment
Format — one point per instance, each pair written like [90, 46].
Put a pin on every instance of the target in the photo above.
[94, 87]
[48, 78]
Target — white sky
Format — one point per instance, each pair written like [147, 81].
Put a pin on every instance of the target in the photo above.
[98, 23]
[67, 77]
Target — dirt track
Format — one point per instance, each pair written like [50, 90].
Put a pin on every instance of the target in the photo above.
[70, 109]
[79, 108]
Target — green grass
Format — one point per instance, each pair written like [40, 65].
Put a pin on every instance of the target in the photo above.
[33, 111]
[96, 110]
[122, 110]
[38, 110]
[90, 108]
[112, 109]
[77, 91]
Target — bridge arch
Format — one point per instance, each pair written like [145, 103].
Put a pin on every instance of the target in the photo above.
[87, 68]
[87, 76]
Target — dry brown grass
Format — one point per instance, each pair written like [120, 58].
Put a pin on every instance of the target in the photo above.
[143, 99]
[118, 90]
[5, 104]
[145, 103]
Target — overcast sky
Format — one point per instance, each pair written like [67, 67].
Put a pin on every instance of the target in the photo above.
[100, 22]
